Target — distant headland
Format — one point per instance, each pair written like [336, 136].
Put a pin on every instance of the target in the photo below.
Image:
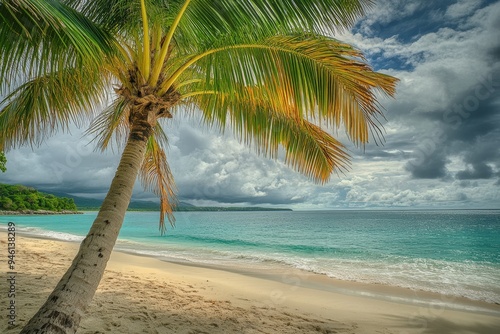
[37, 212]
[23, 200]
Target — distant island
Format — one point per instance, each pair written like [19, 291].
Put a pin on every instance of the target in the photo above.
[93, 204]
[227, 208]
[181, 207]
[19, 199]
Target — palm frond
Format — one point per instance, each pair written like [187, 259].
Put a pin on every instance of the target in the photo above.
[309, 149]
[311, 77]
[156, 176]
[111, 123]
[122, 17]
[41, 106]
[206, 21]
[39, 36]
[164, 49]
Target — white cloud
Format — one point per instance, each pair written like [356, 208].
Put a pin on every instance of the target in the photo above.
[462, 8]
[387, 11]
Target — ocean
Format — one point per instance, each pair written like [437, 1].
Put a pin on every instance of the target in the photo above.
[455, 253]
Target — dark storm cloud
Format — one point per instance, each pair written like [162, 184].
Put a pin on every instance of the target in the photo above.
[476, 112]
[494, 52]
[234, 194]
[468, 127]
[65, 163]
[475, 131]
[479, 157]
[478, 170]
[431, 166]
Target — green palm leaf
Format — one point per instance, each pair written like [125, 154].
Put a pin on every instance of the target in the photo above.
[309, 149]
[207, 21]
[305, 76]
[38, 36]
[48, 103]
[111, 123]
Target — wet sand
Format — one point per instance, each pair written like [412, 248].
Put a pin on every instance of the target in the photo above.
[145, 295]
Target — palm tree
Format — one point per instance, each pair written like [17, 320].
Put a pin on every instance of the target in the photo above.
[267, 69]
[27, 27]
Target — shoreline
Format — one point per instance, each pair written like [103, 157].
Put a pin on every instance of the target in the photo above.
[291, 302]
[296, 277]
[38, 212]
[321, 281]
[317, 281]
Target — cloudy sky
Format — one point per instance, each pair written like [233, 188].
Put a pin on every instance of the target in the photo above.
[442, 141]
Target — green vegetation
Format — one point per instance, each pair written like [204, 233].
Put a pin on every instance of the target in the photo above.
[3, 162]
[17, 198]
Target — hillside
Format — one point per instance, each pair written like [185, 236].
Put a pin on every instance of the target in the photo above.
[92, 204]
[22, 198]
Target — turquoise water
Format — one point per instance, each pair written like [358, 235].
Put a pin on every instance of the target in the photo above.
[451, 252]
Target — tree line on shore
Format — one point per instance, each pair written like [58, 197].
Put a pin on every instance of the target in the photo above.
[19, 197]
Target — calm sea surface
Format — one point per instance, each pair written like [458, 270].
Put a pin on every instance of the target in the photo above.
[452, 252]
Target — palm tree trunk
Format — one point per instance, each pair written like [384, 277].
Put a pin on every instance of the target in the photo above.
[66, 305]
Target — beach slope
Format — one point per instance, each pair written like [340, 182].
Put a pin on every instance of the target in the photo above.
[146, 295]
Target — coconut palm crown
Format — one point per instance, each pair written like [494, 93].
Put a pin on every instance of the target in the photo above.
[264, 68]
[269, 70]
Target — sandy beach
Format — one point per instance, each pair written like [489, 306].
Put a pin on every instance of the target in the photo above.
[145, 295]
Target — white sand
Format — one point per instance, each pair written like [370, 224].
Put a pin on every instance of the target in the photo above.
[146, 295]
